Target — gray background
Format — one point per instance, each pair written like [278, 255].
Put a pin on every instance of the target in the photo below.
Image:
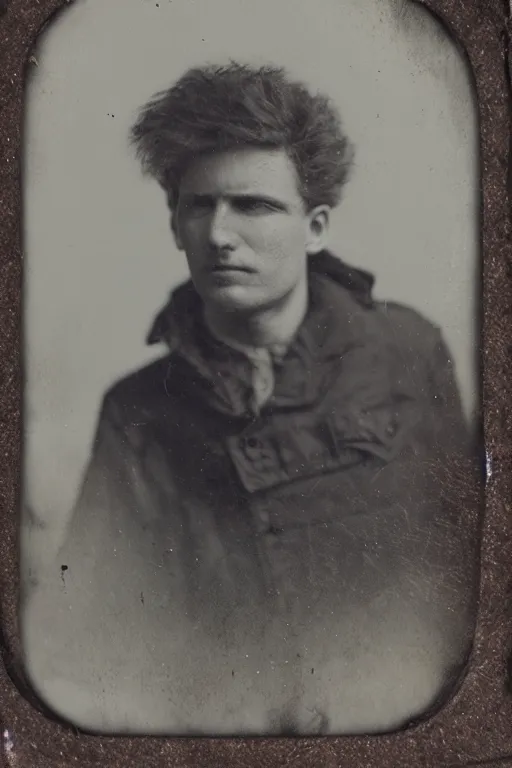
[99, 257]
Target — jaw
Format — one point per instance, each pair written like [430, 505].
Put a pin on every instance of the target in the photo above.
[257, 319]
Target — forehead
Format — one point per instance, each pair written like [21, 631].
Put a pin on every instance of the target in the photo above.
[243, 171]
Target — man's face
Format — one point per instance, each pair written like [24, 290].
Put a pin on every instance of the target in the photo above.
[243, 226]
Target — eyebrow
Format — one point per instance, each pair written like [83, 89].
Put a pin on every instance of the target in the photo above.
[240, 196]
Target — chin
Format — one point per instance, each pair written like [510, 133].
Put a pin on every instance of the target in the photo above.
[235, 298]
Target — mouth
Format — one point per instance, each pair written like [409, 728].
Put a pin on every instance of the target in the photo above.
[230, 274]
[230, 268]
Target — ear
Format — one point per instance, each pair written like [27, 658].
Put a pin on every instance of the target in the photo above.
[175, 231]
[318, 227]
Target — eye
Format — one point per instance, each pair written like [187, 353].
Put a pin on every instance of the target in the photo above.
[197, 205]
[254, 205]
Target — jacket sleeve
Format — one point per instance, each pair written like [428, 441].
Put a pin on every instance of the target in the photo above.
[455, 436]
[457, 460]
[457, 486]
[80, 623]
[106, 490]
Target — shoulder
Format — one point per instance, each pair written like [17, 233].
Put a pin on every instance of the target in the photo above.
[130, 396]
[408, 327]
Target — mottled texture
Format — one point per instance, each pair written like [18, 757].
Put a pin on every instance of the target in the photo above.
[475, 727]
[402, 116]
[307, 570]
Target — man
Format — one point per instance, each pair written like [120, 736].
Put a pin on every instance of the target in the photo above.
[275, 530]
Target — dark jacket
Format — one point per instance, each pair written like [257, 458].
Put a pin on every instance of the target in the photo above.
[309, 567]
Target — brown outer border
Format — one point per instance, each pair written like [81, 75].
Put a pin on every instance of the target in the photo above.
[476, 726]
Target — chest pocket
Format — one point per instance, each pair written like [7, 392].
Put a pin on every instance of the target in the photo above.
[302, 446]
[381, 431]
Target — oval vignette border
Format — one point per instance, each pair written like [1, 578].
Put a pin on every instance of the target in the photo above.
[475, 726]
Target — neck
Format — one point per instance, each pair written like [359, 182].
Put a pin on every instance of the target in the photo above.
[265, 327]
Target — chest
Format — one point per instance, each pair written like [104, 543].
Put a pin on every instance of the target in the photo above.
[323, 506]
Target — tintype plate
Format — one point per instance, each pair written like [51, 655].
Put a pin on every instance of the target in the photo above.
[466, 720]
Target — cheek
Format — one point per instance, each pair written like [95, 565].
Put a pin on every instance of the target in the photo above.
[191, 231]
[194, 241]
[285, 244]
[275, 235]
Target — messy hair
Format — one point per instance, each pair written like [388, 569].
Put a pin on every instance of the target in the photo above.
[221, 108]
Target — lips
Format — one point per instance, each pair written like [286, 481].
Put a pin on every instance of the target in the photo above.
[229, 274]
[220, 268]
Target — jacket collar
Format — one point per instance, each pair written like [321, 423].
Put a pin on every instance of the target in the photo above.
[339, 296]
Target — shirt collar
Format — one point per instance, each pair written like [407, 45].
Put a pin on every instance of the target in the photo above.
[337, 294]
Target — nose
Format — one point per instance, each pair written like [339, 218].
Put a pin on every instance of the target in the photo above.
[222, 233]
